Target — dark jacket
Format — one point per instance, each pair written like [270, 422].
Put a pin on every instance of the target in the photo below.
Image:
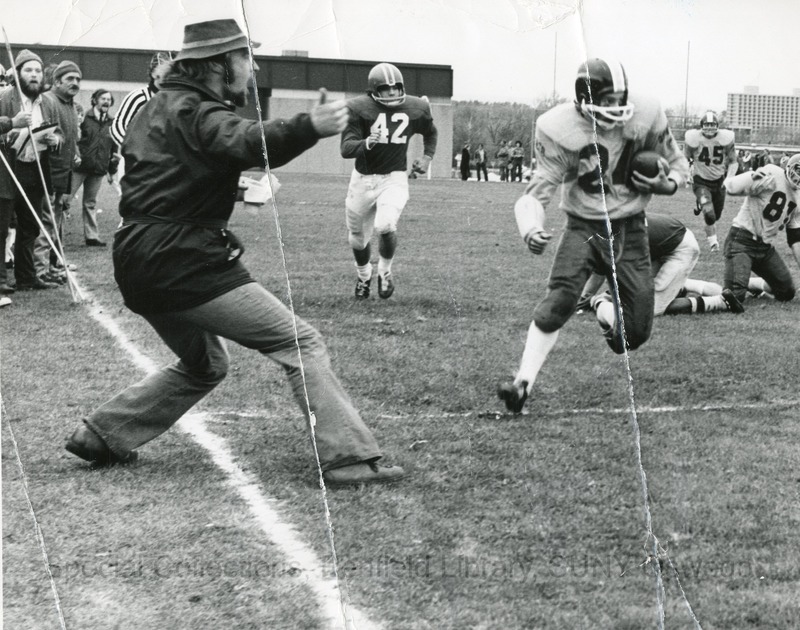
[96, 147]
[62, 160]
[184, 153]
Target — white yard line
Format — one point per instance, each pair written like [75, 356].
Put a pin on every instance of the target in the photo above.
[337, 613]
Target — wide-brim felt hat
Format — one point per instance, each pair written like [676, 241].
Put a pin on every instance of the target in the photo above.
[202, 40]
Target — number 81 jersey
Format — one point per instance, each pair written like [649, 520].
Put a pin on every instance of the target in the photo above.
[767, 212]
[395, 126]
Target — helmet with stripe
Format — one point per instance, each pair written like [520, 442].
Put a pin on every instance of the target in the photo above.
[709, 124]
[792, 169]
[601, 93]
[382, 78]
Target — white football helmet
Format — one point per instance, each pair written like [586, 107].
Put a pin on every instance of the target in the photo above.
[709, 125]
[792, 170]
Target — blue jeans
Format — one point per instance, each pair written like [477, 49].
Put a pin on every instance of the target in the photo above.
[253, 318]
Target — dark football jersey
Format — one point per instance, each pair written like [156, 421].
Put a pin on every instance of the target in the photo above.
[664, 234]
[395, 125]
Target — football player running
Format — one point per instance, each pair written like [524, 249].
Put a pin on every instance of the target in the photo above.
[713, 155]
[380, 125]
[770, 206]
[586, 147]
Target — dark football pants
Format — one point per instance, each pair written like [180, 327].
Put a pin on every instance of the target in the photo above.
[584, 249]
[745, 253]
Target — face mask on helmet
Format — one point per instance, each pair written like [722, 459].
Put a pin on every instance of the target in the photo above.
[793, 170]
[709, 125]
[383, 78]
[601, 93]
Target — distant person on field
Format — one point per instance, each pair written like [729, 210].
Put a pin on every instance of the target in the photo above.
[465, 167]
[771, 196]
[99, 161]
[480, 163]
[377, 136]
[503, 157]
[712, 152]
[573, 141]
[179, 266]
[517, 156]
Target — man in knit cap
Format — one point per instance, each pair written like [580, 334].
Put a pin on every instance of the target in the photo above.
[22, 156]
[66, 85]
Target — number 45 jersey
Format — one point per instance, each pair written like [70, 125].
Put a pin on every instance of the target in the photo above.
[593, 163]
[711, 155]
[395, 125]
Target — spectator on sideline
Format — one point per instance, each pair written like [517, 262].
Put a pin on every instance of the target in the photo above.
[21, 154]
[465, 168]
[179, 267]
[21, 120]
[480, 163]
[503, 157]
[517, 154]
[66, 85]
[98, 159]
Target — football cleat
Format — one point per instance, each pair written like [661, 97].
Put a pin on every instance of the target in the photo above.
[734, 305]
[697, 210]
[513, 395]
[714, 247]
[385, 285]
[362, 288]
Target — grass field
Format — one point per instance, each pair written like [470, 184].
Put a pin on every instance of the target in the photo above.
[533, 521]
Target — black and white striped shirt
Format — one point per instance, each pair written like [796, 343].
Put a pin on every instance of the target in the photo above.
[131, 104]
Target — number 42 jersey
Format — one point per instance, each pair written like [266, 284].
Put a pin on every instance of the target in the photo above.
[395, 125]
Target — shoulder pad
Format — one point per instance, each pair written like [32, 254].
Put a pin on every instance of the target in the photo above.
[564, 125]
[725, 137]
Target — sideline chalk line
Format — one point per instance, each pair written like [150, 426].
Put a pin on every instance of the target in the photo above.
[337, 613]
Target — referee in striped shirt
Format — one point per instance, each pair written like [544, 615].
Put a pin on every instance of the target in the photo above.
[135, 100]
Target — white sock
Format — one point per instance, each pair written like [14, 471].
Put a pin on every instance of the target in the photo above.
[757, 284]
[606, 314]
[701, 287]
[364, 272]
[712, 240]
[715, 303]
[384, 266]
[537, 346]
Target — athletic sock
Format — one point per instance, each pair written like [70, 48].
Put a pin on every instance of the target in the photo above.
[384, 266]
[364, 272]
[537, 346]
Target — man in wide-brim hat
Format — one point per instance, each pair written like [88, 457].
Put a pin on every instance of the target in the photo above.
[179, 267]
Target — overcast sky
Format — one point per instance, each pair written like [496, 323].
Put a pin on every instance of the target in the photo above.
[500, 50]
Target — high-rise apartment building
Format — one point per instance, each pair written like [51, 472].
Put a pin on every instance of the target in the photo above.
[749, 109]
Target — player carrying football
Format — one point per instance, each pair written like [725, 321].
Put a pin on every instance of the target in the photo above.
[770, 206]
[713, 154]
[378, 131]
[586, 147]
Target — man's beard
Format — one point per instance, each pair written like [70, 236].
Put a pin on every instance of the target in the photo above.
[239, 98]
[28, 90]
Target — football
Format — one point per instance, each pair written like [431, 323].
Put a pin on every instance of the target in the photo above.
[646, 163]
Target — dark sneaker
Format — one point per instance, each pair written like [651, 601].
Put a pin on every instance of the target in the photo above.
[363, 472]
[87, 445]
[37, 285]
[385, 285]
[697, 211]
[734, 305]
[7, 288]
[93, 242]
[53, 278]
[362, 288]
[513, 395]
